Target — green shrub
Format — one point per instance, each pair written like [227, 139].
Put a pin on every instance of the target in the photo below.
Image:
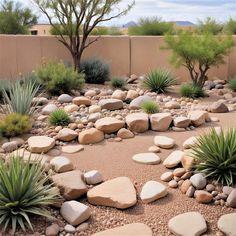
[158, 81]
[18, 97]
[15, 124]
[118, 83]
[232, 85]
[100, 31]
[191, 91]
[150, 107]
[114, 31]
[24, 192]
[59, 117]
[151, 26]
[56, 78]
[4, 85]
[230, 26]
[216, 155]
[209, 25]
[96, 70]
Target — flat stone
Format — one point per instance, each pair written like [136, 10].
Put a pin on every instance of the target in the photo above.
[94, 109]
[190, 142]
[152, 190]
[111, 104]
[67, 135]
[54, 152]
[61, 164]
[91, 136]
[125, 133]
[154, 149]
[174, 159]
[93, 177]
[48, 109]
[188, 224]
[10, 146]
[164, 142]
[73, 148]
[40, 144]
[75, 212]
[137, 229]
[109, 125]
[198, 181]
[147, 158]
[137, 102]
[160, 121]
[167, 176]
[119, 193]
[137, 122]
[64, 98]
[203, 196]
[227, 224]
[218, 107]
[172, 105]
[70, 189]
[182, 122]
[81, 101]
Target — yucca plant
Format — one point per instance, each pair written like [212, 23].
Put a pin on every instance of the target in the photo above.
[215, 155]
[191, 91]
[150, 107]
[59, 117]
[158, 81]
[18, 98]
[232, 85]
[24, 191]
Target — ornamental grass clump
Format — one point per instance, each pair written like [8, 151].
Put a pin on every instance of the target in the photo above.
[215, 155]
[191, 91]
[150, 107]
[59, 117]
[117, 82]
[24, 192]
[159, 81]
[232, 85]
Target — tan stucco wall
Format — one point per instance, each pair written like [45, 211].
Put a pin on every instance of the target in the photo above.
[126, 55]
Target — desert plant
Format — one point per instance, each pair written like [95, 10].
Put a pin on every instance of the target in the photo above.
[232, 84]
[24, 191]
[100, 31]
[151, 26]
[118, 82]
[96, 70]
[230, 26]
[198, 53]
[59, 117]
[15, 124]
[191, 91]
[158, 81]
[150, 107]
[209, 25]
[114, 31]
[215, 155]
[56, 78]
[18, 97]
[4, 85]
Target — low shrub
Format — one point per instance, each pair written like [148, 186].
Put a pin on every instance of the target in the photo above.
[96, 70]
[232, 85]
[150, 107]
[158, 81]
[24, 192]
[59, 117]
[191, 91]
[230, 26]
[215, 154]
[118, 83]
[15, 124]
[56, 78]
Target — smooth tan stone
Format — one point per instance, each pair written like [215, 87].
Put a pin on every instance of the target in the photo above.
[109, 125]
[61, 164]
[227, 224]
[173, 159]
[160, 121]
[111, 104]
[72, 148]
[81, 101]
[164, 142]
[190, 142]
[91, 136]
[137, 122]
[198, 117]
[147, 158]
[40, 144]
[71, 108]
[67, 135]
[125, 134]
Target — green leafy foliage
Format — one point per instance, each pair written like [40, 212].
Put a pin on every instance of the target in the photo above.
[150, 107]
[230, 26]
[191, 91]
[100, 31]
[158, 81]
[59, 117]
[4, 85]
[198, 53]
[117, 82]
[19, 95]
[56, 78]
[151, 26]
[24, 192]
[215, 154]
[232, 84]
[96, 70]
[209, 25]
[14, 19]
[15, 124]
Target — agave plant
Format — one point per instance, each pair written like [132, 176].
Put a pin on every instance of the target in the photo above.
[18, 98]
[158, 81]
[215, 154]
[24, 191]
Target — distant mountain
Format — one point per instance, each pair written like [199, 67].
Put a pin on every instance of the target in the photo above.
[184, 23]
[129, 24]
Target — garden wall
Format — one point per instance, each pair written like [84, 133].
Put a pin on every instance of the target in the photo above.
[126, 55]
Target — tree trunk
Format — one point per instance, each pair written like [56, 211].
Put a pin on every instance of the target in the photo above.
[76, 62]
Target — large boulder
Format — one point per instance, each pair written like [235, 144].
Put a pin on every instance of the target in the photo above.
[181, 122]
[81, 101]
[119, 193]
[125, 134]
[91, 136]
[67, 135]
[137, 102]
[109, 125]
[218, 107]
[137, 122]
[40, 144]
[198, 117]
[70, 184]
[111, 104]
[160, 121]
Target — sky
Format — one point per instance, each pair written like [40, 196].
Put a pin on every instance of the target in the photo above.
[172, 10]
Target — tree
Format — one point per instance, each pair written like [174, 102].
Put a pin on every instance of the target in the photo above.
[209, 25]
[77, 19]
[230, 26]
[198, 53]
[15, 19]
